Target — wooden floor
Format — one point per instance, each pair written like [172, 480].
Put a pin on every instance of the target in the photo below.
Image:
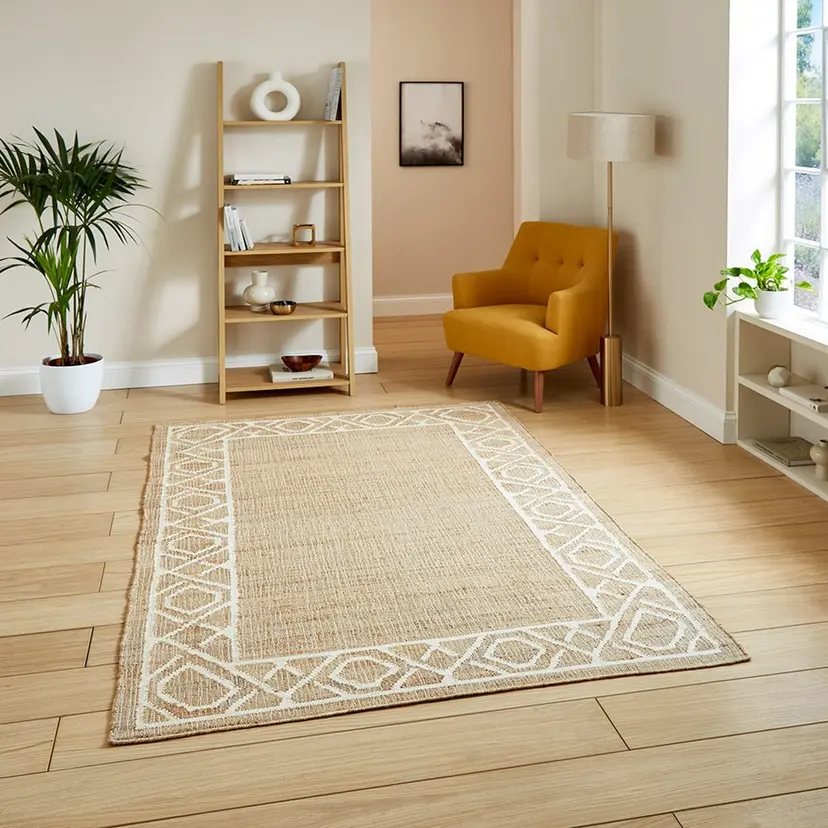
[744, 746]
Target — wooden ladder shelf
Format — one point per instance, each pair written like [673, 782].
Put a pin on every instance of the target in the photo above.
[269, 254]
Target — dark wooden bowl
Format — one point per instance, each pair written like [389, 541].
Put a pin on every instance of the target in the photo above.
[302, 363]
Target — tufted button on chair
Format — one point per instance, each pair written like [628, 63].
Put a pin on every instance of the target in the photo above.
[546, 307]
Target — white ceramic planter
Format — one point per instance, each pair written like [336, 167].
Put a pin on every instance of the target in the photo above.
[71, 389]
[773, 304]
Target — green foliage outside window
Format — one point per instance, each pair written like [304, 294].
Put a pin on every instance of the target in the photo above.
[808, 133]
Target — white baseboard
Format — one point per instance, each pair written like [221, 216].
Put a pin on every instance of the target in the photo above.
[718, 423]
[423, 305]
[161, 372]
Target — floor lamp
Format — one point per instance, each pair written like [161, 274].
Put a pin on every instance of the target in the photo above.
[611, 137]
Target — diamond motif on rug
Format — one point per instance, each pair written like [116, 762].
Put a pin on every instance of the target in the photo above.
[306, 566]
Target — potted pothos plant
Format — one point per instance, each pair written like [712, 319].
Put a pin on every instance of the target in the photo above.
[767, 283]
[78, 193]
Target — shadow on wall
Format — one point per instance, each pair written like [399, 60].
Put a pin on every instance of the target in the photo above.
[665, 136]
[633, 300]
[639, 295]
[179, 279]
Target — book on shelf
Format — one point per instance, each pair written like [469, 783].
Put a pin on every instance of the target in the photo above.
[810, 395]
[240, 179]
[236, 237]
[279, 373]
[333, 101]
[245, 233]
[789, 451]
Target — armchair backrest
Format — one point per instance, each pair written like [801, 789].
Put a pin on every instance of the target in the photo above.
[556, 257]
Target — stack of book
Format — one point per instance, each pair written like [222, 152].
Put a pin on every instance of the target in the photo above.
[279, 373]
[235, 230]
[333, 110]
[259, 178]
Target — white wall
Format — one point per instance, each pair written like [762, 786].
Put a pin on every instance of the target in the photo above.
[144, 76]
[431, 223]
[565, 30]
[670, 58]
[753, 159]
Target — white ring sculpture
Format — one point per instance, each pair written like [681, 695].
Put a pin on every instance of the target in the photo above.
[275, 83]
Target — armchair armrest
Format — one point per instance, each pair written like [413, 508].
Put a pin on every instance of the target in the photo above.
[486, 287]
[578, 315]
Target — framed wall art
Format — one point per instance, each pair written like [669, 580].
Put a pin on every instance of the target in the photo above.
[432, 124]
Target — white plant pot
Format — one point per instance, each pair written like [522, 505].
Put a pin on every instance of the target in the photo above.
[773, 304]
[71, 389]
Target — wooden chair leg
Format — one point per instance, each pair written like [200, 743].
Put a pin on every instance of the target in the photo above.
[455, 364]
[596, 368]
[539, 375]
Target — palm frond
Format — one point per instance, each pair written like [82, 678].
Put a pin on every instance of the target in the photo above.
[77, 192]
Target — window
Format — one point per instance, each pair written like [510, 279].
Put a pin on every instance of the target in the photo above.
[804, 168]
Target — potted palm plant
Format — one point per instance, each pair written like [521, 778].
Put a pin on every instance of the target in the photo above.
[766, 283]
[78, 193]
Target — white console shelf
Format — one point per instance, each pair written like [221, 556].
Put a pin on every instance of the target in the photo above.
[761, 411]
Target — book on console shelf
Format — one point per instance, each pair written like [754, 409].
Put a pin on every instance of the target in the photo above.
[809, 395]
[789, 451]
[333, 108]
[279, 373]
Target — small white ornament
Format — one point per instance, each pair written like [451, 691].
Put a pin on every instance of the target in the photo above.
[779, 376]
[259, 293]
[275, 83]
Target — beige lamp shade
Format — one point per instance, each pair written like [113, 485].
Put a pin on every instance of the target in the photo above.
[611, 136]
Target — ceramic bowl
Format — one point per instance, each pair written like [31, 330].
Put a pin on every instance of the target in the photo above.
[282, 307]
[302, 363]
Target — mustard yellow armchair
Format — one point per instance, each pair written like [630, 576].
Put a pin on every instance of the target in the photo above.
[546, 307]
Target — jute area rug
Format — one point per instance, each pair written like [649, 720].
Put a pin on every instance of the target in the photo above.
[307, 566]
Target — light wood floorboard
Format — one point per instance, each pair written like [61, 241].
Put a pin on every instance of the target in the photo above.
[46, 582]
[802, 810]
[771, 608]
[66, 527]
[44, 652]
[722, 708]
[60, 693]
[106, 641]
[564, 794]
[65, 552]
[51, 466]
[729, 544]
[25, 747]
[68, 505]
[781, 572]
[68, 612]
[53, 486]
[245, 775]
[116, 576]
[740, 746]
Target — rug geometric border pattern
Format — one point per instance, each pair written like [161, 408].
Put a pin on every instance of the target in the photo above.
[186, 550]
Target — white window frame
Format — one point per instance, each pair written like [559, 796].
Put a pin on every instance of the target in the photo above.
[787, 145]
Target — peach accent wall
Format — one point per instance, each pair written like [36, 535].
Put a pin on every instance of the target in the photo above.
[431, 222]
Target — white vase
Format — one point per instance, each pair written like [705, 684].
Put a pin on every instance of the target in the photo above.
[773, 304]
[275, 83]
[259, 292]
[819, 454]
[71, 389]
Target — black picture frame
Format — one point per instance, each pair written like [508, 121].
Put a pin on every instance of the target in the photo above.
[432, 124]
